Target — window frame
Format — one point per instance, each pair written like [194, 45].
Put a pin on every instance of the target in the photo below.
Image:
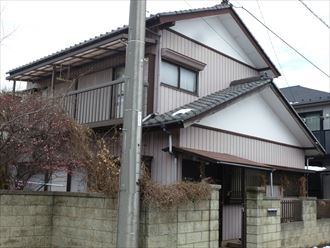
[178, 67]
[303, 115]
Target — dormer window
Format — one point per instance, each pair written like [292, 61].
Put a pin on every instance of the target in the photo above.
[180, 71]
[178, 76]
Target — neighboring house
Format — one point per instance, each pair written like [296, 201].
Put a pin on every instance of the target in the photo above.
[313, 106]
[215, 111]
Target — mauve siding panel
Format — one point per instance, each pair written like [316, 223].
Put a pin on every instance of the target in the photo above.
[217, 75]
[259, 151]
[163, 167]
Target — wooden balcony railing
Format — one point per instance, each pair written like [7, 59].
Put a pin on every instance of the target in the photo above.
[96, 105]
[323, 208]
[291, 210]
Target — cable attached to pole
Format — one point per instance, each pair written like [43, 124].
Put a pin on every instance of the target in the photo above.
[279, 37]
[313, 13]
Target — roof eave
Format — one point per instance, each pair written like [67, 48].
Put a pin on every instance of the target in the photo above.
[309, 104]
[255, 42]
[116, 35]
[162, 19]
[294, 114]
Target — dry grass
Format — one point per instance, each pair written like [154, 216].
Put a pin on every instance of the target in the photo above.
[103, 171]
[103, 176]
[174, 195]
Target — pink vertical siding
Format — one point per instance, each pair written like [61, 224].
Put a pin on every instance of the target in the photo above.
[163, 167]
[217, 75]
[256, 150]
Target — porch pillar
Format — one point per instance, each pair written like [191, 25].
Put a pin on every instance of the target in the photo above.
[52, 82]
[14, 87]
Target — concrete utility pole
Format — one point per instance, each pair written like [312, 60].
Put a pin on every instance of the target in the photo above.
[129, 197]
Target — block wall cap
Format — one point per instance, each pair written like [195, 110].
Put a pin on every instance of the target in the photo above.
[43, 193]
[307, 198]
[216, 186]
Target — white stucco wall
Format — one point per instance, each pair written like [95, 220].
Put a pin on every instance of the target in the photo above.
[212, 32]
[252, 116]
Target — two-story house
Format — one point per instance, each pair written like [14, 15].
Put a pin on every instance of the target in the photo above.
[211, 107]
[313, 106]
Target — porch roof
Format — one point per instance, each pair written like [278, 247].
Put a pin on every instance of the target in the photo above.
[222, 158]
[228, 159]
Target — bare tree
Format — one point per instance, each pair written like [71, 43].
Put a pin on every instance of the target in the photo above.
[37, 136]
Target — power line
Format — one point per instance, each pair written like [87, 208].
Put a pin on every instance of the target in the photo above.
[279, 37]
[228, 43]
[314, 14]
[277, 59]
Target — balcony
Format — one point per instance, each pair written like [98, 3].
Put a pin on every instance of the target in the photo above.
[323, 136]
[98, 106]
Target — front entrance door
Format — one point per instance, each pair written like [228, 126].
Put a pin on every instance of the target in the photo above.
[233, 207]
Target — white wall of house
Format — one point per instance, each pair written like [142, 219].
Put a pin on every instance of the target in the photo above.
[252, 116]
[212, 31]
[78, 181]
[36, 182]
[58, 181]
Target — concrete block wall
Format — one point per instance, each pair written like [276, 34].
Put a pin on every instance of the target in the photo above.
[84, 220]
[265, 230]
[263, 227]
[309, 232]
[195, 225]
[25, 220]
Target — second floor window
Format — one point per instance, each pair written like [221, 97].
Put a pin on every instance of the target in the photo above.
[178, 77]
[312, 120]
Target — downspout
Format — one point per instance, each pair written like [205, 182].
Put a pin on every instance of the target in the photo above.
[271, 184]
[307, 161]
[158, 60]
[307, 176]
[170, 151]
[170, 143]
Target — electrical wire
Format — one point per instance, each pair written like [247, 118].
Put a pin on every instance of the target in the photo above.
[285, 42]
[272, 45]
[219, 35]
[314, 14]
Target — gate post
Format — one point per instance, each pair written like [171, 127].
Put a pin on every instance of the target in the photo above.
[263, 219]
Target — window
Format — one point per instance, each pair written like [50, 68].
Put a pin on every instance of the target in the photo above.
[312, 120]
[178, 77]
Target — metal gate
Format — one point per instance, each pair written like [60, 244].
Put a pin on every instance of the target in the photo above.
[233, 223]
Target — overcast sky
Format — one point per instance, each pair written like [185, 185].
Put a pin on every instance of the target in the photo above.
[43, 27]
